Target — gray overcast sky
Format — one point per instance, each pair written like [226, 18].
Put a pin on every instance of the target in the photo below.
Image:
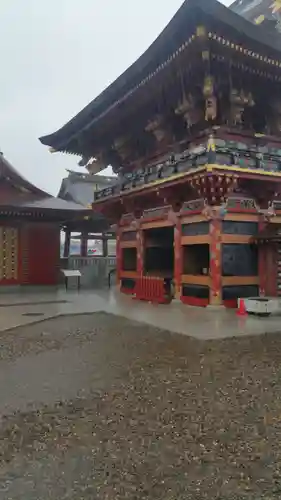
[56, 56]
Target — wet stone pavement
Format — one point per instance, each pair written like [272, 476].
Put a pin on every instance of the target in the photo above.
[99, 407]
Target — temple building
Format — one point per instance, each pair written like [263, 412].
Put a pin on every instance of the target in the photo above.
[95, 231]
[81, 187]
[193, 130]
[30, 225]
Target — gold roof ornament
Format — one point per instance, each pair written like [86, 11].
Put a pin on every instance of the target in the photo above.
[211, 145]
[52, 150]
[201, 31]
[259, 19]
[276, 6]
[208, 88]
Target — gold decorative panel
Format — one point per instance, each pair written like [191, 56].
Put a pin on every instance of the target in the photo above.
[8, 254]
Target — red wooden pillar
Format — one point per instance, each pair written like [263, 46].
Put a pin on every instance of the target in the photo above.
[262, 263]
[215, 262]
[118, 255]
[140, 252]
[67, 243]
[177, 258]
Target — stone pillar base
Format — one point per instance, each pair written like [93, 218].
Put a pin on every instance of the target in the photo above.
[213, 307]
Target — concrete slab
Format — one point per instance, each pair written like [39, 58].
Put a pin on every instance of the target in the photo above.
[200, 323]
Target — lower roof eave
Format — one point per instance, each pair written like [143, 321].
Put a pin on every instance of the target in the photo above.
[43, 213]
[254, 174]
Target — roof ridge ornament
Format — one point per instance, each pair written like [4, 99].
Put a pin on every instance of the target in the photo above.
[267, 212]
[276, 6]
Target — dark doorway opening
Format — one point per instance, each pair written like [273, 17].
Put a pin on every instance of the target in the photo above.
[196, 259]
[129, 259]
[159, 252]
[239, 260]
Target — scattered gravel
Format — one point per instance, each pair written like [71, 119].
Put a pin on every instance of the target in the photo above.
[174, 419]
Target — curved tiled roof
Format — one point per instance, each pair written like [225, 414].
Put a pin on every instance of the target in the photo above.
[9, 171]
[21, 195]
[164, 46]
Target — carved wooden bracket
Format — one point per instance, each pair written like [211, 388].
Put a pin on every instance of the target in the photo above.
[157, 128]
[95, 165]
[211, 108]
[210, 99]
[172, 217]
[187, 108]
[266, 213]
[214, 189]
[218, 212]
[122, 146]
[239, 101]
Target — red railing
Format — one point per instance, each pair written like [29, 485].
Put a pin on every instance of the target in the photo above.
[152, 289]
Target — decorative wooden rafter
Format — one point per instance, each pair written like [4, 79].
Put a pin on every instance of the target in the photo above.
[263, 196]
[122, 146]
[215, 212]
[95, 164]
[157, 128]
[196, 205]
[215, 188]
[210, 99]
[263, 193]
[187, 108]
[267, 213]
[239, 101]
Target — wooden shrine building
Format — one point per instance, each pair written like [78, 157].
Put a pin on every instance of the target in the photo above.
[80, 188]
[193, 130]
[30, 225]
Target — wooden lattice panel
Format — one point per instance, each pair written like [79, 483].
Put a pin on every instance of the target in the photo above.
[8, 254]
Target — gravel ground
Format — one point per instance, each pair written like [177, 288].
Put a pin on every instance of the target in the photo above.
[157, 416]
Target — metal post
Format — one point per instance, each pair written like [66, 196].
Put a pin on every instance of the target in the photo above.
[67, 243]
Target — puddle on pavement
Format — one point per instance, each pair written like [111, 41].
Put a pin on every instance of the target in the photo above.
[33, 314]
[35, 303]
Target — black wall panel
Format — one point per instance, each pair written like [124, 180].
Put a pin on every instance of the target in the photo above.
[128, 283]
[233, 292]
[239, 227]
[197, 291]
[239, 260]
[196, 229]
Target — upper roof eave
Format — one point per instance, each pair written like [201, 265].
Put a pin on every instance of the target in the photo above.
[48, 204]
[60, 139]
[27, 197]
[10, 171]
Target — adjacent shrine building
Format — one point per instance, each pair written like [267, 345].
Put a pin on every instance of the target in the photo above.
[193, 130]
[80, 188]
[30, 225]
